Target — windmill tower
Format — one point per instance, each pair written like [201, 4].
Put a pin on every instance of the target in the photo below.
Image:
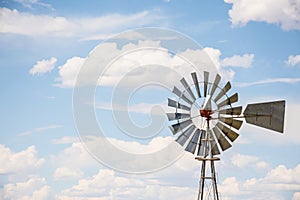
[205, 122]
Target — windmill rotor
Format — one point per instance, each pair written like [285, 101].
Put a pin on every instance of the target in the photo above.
[206, 120]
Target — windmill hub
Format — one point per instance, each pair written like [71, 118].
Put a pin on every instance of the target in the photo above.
[206, 113]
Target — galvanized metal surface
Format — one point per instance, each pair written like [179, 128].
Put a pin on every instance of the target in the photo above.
[181, 95]
[223, 92]
[223, 142]
[232, 135]
[175, 116]
[206, 75]
[185, 135]
[191, 147]
[231, 111]
[175, 104]
[215, 84]
[228, 101]
[196, 83]
[187, 87]
[268, 115]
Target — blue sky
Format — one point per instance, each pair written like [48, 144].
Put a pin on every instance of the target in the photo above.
[254, 44]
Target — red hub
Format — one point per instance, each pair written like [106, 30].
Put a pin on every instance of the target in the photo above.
[206, 113]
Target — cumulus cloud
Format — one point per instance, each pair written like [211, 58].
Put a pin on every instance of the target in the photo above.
[107, 184]
[244, 61]
[276, 183]
[293, 60]
[286, 13]
[11, 162]
[69, 71]
[15, 22]
[65, 173]
[128, 62]
[74, 156]
[43, 66]
[33, 188]
[242, 161]
[65, 140]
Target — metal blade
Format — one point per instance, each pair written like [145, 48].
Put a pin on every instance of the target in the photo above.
[232, 111]
[206, 74]
[268, 115]
[202, 144]
[185, 135]
[175, 104]
[229, 101]
[186, 86]
[215, 84]
[227, 131]
[223, 142]
[232, 122]
[180, 126]
[213, 144]
[181, 95]
[173, 116]
[191, 147]
[195, 80]
[225, 89]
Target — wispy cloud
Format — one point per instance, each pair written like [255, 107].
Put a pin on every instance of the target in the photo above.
[268, 81]
[33, 3]
[144, 108]
[40, 129]
[15, 22]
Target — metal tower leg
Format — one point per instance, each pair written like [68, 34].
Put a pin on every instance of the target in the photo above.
[201, 183]
[214, 181]
[206, 176]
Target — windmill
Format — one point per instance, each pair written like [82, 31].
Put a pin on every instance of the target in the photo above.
[206, 122]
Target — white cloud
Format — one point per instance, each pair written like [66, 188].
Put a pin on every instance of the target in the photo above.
[109, 185]
[74, 156]
[293, 60]
[245, 61]
[286, 13]
[282, 175]
[15, 22]
[32, 3]
[229, 186]
[128, 61]
[11, 162]
[154, 145]
[65, 173]
[268, 81]
[43, 66]
[33, 188]
[144, 108]
[68, 72]
[242, 161]
[65, 140]
[277, 183]
[40, 129]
